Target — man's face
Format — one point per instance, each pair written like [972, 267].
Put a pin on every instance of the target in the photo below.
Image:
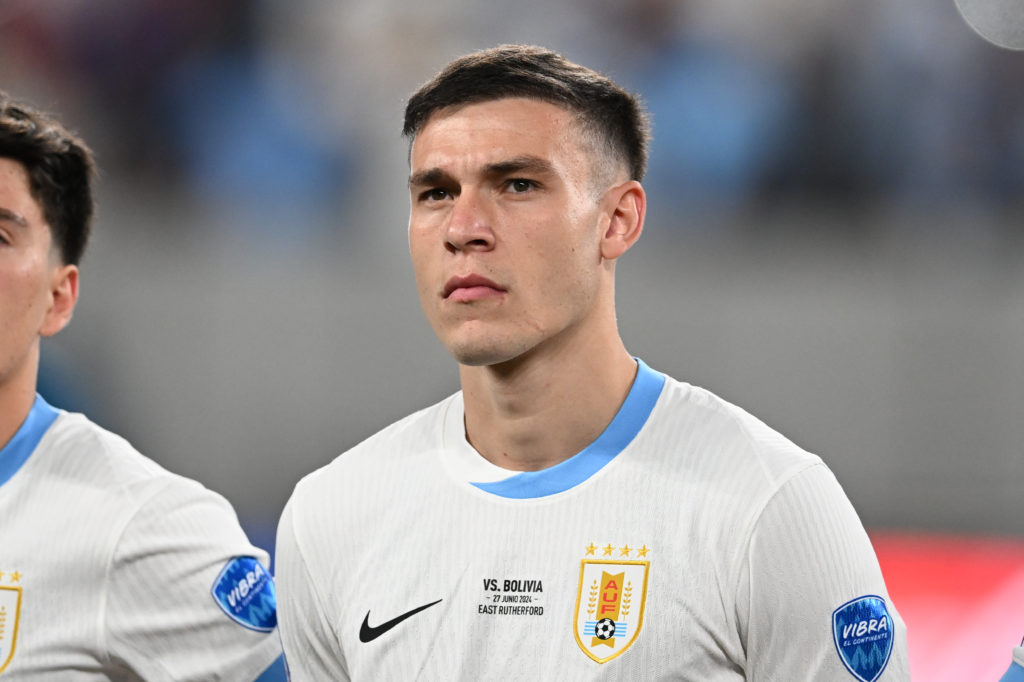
[29, 273]
[504, 228]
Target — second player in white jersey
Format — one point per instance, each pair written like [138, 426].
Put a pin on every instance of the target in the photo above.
[111, 568]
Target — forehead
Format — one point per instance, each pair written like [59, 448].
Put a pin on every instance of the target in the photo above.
[13, 175]
[19, 210]
[484, 132]
[15, 190]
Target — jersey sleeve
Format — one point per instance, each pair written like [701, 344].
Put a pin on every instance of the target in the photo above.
[1015, 673]
[812, 593]
[188, 597]
[311, 646]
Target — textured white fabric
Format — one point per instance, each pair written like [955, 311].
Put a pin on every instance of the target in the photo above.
[751, 543]
[115, 559]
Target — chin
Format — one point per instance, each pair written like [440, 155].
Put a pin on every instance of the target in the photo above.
[480, 345]
[482, 353]
[476, 357]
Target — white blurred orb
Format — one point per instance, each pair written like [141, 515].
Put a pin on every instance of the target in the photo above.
[1001, 22]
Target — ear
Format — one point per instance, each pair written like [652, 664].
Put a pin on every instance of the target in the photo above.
[63, 296]
[627, 205]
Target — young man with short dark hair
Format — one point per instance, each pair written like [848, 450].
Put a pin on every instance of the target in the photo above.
[571, 513]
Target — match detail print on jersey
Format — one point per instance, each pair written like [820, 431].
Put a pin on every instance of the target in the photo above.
[862, 629]
[610, 600]
[245, 591]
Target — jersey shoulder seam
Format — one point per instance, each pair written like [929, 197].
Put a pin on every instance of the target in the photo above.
[755, 521]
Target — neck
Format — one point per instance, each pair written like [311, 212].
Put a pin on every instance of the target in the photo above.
[17, 394]
[544, 407]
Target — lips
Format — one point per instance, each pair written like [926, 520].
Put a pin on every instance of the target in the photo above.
[470, 288]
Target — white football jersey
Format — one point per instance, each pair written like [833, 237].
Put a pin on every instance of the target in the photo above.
[112, 568]
[688, 542]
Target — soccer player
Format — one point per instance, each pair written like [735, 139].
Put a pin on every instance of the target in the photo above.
[111, 568]
[571, 513]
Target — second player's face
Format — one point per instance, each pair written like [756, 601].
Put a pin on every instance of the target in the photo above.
[504, 228]
[27, 271]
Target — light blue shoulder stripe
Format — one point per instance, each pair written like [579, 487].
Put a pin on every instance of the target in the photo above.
[23, 444]
[1014, 674]
[627, 423]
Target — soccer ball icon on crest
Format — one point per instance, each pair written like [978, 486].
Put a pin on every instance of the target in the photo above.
[605, 628]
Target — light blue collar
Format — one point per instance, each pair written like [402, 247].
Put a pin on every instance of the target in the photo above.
[620, 432]
[23, 444]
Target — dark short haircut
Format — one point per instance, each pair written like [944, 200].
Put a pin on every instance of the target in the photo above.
[603, 107]
[60, 170]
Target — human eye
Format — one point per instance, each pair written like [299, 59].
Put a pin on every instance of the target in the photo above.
[434, 194]
[520, 185]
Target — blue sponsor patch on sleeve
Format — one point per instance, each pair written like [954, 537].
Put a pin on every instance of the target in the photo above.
[862, 630]
[245, 591]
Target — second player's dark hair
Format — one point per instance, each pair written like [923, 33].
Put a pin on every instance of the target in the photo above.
[60, 171]
[602, 106]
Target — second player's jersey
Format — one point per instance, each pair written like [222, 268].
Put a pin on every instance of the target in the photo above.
[688, 542]
[112, 568]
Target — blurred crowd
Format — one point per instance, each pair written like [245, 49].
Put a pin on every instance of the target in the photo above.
[261, 102]
[829, 179]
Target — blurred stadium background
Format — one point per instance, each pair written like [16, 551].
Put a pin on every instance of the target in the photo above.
[834, 243]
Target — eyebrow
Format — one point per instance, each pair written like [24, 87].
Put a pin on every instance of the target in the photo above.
[519, 164]
[431, 176]
[11, 216]
[529, 164]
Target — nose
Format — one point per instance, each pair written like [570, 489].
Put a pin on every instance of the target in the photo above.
[469, 223]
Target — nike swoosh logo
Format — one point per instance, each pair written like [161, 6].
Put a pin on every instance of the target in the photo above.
[368, 633]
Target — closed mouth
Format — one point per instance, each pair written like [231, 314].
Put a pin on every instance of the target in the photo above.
[468, 282]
